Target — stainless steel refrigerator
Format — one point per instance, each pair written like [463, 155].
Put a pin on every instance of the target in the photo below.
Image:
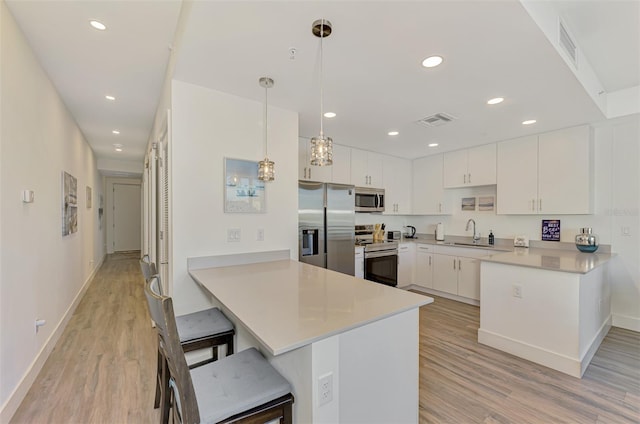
[326, 220]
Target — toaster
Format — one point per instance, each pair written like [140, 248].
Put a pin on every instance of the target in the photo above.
[394, 235]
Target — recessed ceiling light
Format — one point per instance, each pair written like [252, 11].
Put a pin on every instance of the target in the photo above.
[495, 101]
[432, 61]
[433, 144]
[529, 122]
[115, 132]
[393, 133]
[98, 25]
[118, 147]
[330, 115]
[108, 97]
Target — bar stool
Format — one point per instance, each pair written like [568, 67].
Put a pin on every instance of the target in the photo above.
[207, 329]
[242, 387]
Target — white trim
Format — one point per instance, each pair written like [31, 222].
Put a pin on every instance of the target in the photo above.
[559, 362]
[626, 322]
[446, 295]
[22, 388]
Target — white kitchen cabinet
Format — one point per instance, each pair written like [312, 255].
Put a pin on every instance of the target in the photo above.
[341, 168]
[445, 273]
[309, 172]
[406, 263]
[457, 270]
[470, 167]
[469, 278]
[397, 185]
[359, 262]
[366, 168]
[424, 266]
[546, 174]
[428, 195]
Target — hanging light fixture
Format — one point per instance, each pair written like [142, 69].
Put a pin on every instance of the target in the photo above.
[265, 166]
[321, 146]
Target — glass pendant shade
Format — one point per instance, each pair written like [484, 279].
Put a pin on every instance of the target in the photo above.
[321, 151]
[266, 170]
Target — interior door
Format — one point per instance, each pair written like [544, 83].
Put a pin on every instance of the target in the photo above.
[126, 217]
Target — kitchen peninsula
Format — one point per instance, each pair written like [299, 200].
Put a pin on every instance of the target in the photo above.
[314, 324]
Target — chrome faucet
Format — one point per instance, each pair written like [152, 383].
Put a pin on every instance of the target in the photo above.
[476, 237]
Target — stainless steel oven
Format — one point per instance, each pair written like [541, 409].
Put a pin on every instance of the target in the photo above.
[381, 262]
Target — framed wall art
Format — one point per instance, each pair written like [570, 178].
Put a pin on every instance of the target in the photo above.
[88, 197]
[69, 204]
[243, 191]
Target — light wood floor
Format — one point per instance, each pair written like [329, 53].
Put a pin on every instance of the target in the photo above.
[103, 368]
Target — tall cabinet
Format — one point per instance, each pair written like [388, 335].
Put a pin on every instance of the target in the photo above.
[397, 185]
[549, 173]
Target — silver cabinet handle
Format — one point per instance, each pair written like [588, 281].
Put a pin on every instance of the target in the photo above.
[454, 264]
[309, 173]
[459, 265]
[305, 172]
[429, 260]
[464, 177]
[533, 205]
[469, 177]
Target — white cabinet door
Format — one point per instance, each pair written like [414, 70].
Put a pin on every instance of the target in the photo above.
[341, 172]
[445, 273]
[366, 169]
[397, 185]
[565, 179]
[517, 182]
[406, 263]
[455, 169]
[424, 266]
[469, 278]
[359, 262]
[481, 165]
[306, 171]
[428, 196]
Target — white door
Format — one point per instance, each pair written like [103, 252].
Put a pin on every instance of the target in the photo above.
[126, 217]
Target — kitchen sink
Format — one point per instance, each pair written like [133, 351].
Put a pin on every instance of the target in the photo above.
[455, 243]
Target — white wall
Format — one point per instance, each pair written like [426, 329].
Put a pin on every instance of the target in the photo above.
[616, 205]
[42, 273]
[208, 126]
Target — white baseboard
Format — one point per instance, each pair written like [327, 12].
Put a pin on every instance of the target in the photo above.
[442, 294]
[559, 362]
[15, 399]
[626, 322]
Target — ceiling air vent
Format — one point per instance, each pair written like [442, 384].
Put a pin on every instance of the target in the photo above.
[436, 120]
[567, 44]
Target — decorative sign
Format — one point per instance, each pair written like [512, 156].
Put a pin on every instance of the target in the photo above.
[550, 230]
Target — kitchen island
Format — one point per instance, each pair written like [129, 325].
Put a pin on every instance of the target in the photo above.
[315, 325]
[550, 306]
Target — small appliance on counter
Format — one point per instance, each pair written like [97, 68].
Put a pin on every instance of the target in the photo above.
[439, 231]
[411, 232]
[586, 241]
[521, 241]
[394, 235]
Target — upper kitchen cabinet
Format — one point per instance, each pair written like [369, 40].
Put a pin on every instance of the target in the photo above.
[546, 174]
[428, 196]
[397, 185]
[366, 168]
[309, 172]
[470, 167]
[341, 172]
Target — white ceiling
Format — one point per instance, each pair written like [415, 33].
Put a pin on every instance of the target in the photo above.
[373, 79]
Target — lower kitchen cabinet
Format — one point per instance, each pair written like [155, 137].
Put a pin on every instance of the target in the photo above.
[457, 271]
[359, 264]
[469, 278]
[424, 266]
[406, 263]
[445, 273]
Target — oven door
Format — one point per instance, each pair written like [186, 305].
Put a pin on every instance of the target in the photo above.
[381, 267]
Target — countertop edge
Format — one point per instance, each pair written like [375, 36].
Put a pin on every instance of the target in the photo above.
[499, 258]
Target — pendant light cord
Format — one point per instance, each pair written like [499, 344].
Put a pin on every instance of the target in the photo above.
[321, 75]
[266, 153]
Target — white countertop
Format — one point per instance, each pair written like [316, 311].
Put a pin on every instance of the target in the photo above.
[288, 304]
[572, 261]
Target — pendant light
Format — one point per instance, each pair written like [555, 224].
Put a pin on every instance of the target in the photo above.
[265, 166]
[321, 146]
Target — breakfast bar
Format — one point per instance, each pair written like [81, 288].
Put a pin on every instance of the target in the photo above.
[349, 347]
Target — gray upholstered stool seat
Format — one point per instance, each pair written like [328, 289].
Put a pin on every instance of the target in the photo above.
[197, 325]
[235, 384]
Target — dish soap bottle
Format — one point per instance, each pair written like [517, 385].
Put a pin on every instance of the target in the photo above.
[492, 239]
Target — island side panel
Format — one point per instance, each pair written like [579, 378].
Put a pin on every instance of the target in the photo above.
[595, 312]
[379, 369]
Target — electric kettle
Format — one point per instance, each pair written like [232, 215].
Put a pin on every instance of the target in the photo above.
[411, 233]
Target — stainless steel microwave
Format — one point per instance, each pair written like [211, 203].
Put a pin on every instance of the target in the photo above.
[369, 199]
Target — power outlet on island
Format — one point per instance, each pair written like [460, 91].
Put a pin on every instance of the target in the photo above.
[325, 389]
[234, 234]
[517, 290]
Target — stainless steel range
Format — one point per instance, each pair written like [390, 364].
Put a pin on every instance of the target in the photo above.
[380, 257]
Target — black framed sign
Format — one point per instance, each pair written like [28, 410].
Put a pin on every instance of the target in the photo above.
[550, 230]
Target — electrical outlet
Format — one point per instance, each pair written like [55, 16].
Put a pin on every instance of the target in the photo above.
[325, 389]
[517, 290]
[626, 231]
[233, 234]
[260, 235]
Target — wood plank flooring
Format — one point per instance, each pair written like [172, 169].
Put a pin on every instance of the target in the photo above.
[462, 381]
[103, 368]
